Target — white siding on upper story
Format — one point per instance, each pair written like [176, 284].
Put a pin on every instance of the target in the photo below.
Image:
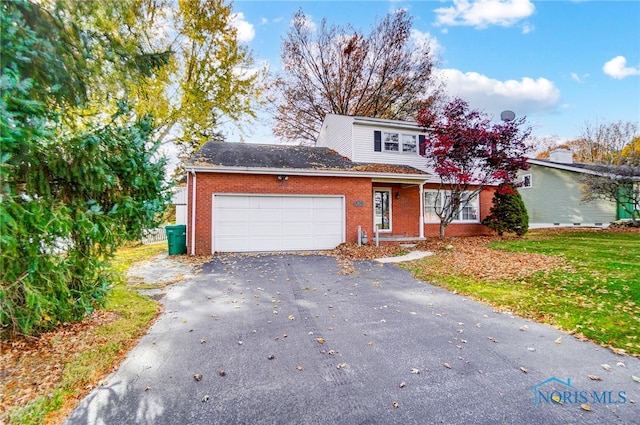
[336, 134]
[363, 149]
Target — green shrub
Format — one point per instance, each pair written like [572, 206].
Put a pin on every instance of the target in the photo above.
[508, 213]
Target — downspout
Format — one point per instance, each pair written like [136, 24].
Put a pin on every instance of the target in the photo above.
[422, 209]
[193, 213]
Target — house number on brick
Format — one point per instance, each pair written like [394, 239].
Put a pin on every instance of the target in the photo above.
[358, 203]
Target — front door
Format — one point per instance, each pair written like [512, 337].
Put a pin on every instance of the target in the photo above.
[382, 210]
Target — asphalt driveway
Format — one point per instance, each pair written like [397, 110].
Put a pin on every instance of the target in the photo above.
[299, 343]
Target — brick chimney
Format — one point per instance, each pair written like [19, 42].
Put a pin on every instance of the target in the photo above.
[563, 156]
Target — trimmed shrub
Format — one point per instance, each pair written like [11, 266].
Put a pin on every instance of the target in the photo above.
[508, 213]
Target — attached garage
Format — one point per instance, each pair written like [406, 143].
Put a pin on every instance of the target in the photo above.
[250, 223]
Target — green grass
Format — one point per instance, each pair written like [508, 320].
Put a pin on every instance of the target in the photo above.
[597, 296]
[134, 315]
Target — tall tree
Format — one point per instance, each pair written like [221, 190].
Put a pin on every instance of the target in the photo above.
[334, 69]
[469, 153]
[79, 170]
[603, 142]
[630, 154]
[218, 81]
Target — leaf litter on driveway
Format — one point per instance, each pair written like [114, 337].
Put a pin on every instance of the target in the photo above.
[374, 349]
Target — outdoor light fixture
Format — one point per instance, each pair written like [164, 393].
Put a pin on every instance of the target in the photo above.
[283, 177]
[397, 195]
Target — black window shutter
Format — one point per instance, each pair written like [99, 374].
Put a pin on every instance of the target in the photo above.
[377, 141]
[421, 143]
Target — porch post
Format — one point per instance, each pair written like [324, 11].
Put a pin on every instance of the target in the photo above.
[421, 227]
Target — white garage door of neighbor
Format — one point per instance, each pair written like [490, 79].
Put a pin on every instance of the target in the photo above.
[243, 223]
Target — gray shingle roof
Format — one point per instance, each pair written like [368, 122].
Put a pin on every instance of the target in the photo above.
[222, 154]
[593, 168]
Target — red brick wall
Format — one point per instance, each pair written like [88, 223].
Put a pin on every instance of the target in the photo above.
[353, 188]
[405, 209]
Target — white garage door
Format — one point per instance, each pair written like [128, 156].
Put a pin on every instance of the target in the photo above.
[243, 223]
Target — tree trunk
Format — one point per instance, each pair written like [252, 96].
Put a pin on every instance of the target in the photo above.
[442, 228]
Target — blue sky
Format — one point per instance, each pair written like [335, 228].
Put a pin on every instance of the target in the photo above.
[562, 64]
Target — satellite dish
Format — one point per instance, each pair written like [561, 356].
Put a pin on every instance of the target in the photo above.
[507, 116]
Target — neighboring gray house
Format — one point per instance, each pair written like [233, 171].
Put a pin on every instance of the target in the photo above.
[551, 192]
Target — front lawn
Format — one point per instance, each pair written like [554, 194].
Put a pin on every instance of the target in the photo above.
[585, 282]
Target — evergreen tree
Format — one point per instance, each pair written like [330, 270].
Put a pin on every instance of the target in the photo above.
[508, 213]
[79, 172]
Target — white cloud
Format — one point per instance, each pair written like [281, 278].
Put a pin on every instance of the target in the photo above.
[424, 38]
[528, 28]
[579, 78]
[482, 13]
[524, 97]
[246, 32]
[617, 68]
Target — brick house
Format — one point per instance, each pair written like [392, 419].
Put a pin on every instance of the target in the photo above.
[363, 175]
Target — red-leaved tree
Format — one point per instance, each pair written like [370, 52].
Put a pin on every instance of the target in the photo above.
[469, 153]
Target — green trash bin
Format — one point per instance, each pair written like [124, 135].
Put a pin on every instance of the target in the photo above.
[177, 238]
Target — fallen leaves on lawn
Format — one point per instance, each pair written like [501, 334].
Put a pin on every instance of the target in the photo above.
[471, 256]
[26, 360]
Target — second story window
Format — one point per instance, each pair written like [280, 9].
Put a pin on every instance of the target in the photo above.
[391, 142]
[396, 142]
[409, 143]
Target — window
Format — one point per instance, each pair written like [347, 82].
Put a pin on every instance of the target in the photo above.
[527, 181]
[430, 199]
[408, 143]
[391, 142]
[469, 212]
[396, 142]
